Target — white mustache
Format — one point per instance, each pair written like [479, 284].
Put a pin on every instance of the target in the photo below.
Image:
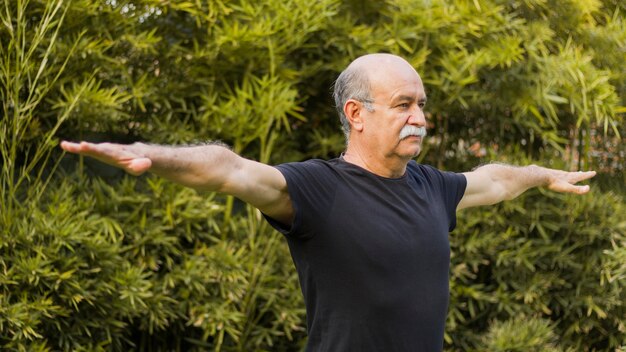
[410, 130]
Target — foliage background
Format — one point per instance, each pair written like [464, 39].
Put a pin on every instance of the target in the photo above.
[91, 259]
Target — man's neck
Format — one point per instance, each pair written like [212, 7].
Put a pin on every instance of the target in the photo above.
[390, 167]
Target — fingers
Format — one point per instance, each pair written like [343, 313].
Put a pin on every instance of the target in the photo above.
[110, 153]
[138, 166]
[580, 189]
[581, 176]
[578, 177]
[79, 148]
[70, 147]
[101, 150]
[567, 187]
[95, 150]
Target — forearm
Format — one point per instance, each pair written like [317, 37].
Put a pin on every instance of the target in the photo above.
[203, 167]
[493, 183]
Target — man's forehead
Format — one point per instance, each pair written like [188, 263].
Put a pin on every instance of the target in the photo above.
[398, 87]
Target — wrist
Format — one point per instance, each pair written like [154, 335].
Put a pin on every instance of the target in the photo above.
[141, 149]
[542, 176]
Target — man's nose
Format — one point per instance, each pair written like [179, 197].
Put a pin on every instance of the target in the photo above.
[417, 117]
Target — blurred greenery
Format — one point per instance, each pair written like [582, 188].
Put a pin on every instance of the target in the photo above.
[92, 259]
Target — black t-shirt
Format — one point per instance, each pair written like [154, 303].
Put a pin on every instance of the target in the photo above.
[372, 254]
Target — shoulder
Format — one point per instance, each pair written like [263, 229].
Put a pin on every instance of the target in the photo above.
[311, 186]
[310, 164]
[450, 185]
[435, 176]
[313, 175]
[424, 171]
[308, 168]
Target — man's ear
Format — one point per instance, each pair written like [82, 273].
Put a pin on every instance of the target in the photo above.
[353, 109]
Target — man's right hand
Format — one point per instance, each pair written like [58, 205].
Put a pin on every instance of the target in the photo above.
[126, 157]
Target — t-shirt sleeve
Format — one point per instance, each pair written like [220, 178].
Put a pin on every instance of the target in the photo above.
[452, 187]
[311, 185]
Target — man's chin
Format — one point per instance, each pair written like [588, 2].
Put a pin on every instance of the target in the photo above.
[411, 154]
[413, 150]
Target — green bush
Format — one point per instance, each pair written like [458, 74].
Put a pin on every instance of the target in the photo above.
[520, 335]
[143, 265]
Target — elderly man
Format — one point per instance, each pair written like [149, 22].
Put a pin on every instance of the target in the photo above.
[368, 232]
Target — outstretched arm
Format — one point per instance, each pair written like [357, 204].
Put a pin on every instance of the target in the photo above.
[206, 167]
[493, 183]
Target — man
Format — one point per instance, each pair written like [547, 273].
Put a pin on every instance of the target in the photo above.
[368, 232]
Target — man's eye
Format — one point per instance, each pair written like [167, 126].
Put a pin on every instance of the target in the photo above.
[403, 105]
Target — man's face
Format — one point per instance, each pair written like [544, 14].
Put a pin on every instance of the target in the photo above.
[392, 129]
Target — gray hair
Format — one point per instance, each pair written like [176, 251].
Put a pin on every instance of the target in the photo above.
[352, 83]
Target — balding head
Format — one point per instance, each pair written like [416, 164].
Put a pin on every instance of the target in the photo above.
[362, 76]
